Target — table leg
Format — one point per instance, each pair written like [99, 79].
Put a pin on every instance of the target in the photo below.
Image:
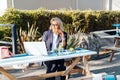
[116, 42]
[111, 56]
[69, 69]
[85, 64]
[4, 72]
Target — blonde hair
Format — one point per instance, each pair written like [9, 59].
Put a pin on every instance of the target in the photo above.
[59, 22]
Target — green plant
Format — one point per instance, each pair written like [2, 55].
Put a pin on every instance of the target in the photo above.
[72, 42]
[5, 33]
[31, 34]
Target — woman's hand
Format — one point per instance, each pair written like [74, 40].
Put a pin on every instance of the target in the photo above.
[60, 32]
[63, 43]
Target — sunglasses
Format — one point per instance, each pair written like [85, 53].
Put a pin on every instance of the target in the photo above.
[54, 24]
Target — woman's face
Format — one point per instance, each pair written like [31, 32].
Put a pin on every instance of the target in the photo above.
[55, 27]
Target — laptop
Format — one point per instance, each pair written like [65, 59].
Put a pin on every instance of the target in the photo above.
[35, 48]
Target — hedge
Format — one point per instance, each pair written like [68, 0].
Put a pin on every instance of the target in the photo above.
[74, 20]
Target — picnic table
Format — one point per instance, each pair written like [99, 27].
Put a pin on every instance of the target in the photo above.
[78, 54]
[113, 33]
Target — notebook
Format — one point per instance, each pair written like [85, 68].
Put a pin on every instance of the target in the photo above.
[35, 48]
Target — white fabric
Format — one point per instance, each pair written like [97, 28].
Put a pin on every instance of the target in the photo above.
[118, 77]
[97, 77]
[54, 45]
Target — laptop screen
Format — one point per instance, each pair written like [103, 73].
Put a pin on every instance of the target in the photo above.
[35, 48]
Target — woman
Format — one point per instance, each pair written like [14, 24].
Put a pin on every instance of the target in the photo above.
[54, 38]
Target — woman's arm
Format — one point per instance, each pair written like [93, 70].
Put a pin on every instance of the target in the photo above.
[63, 36]
[44, 37]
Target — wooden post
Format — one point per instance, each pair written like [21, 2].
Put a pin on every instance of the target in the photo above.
[67, 71]
[111, 56]
[85, 64]
[4, 72]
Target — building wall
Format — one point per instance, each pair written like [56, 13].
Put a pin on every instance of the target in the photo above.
[3, 6]
[115, 4]
[10, 3]
[58, 4]
[49, 4]
[92, 4]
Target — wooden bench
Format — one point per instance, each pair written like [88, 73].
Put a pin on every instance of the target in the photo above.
[113, 48]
